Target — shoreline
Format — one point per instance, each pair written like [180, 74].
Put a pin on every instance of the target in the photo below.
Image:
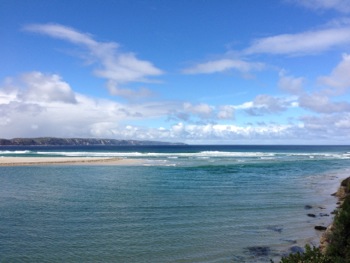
[340, 194]
[44, 161]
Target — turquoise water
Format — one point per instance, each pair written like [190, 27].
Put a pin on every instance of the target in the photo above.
[178, 204]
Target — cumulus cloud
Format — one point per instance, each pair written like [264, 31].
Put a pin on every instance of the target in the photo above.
[313, 129]
[342, 6]
[202, 113]
[222, 65]
[226, 112]
[130, 94]
[210, 133]
[321, 103]
[291, 84]
[203, 110]
[308, 42]
[270, 103]
[32, 116]
[265, 104]
[49, 88]
[339, 78]
[333, 127]
[343, 123]
[117, 67]
[39, 104]
[325, 100]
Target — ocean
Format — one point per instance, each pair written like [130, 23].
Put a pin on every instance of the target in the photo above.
[178, 203]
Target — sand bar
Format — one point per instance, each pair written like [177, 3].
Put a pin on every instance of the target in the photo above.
[25, 161]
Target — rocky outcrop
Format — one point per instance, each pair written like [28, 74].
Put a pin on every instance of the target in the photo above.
[320, 228]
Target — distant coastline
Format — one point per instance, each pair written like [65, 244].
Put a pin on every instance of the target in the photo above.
[53, 141]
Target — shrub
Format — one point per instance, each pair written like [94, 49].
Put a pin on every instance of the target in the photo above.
[311, 255]
[339, 245]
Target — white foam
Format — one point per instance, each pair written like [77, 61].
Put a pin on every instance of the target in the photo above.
[15, 152]
[198, 155]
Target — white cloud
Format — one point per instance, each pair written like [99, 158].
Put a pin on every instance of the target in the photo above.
[308, 42]
[118, 68]
[226, 112]
[343, 123]
[129, 94]
[291, 84]
[321, 103]
[22, 116]
[342, 6]
[65, 33]
[325, 100]
[330, 126]
[244, 106]
[270, 103]
[339, 78]
[203, 110]
[38, 104]
[312, 130]
[48, 88]
[223, 133]
[201, 113]
[265, 104]
[222, 65]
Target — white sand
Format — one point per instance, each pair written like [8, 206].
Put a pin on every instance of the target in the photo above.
[24, 161]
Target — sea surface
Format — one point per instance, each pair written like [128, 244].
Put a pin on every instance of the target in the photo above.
[176, 204]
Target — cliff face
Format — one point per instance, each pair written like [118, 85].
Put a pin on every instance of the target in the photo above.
[51, 141]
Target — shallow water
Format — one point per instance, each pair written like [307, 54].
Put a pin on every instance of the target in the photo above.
[182, 204]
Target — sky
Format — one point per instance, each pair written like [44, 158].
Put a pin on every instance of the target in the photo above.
[191, 71]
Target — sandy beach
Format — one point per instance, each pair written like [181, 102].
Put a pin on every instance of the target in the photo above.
[24, 161]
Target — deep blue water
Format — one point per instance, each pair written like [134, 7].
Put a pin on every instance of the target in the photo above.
[178, 204]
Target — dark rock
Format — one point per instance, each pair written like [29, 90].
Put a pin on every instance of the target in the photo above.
[307, 207]
[311, 215]
[323, 214]
[259, 251]
[320, 228]
[275, 228]
[296, 249]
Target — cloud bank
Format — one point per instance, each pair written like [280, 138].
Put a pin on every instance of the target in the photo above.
[39, 104]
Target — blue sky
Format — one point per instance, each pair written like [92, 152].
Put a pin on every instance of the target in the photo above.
[193, 71]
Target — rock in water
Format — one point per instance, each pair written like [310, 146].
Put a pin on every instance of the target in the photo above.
[311, 215]
[320, 228]
[259, 251]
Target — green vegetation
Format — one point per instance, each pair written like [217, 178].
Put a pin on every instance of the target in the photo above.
[311, 255]
[338, 249]
[339, 246]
